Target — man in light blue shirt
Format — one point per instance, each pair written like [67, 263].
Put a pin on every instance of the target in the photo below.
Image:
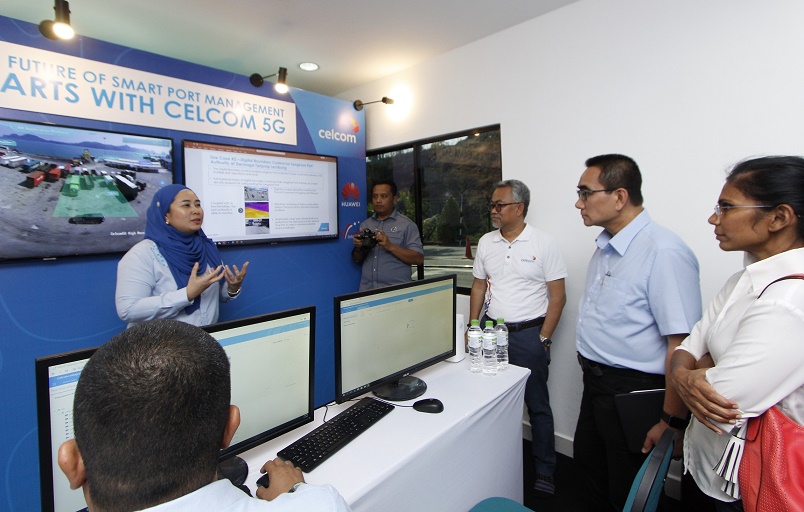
[641, 299]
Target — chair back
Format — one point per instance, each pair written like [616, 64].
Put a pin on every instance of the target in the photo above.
[649, 482]
[498, 504]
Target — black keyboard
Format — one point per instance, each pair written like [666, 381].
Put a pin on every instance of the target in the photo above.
[322, 443]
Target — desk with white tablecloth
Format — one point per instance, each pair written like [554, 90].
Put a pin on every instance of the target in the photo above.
[412, 460]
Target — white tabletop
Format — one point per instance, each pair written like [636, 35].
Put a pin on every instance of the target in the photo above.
[412, 460]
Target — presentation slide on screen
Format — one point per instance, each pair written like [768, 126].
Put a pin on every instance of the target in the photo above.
[62, 381]
[416, 326]
[252, 195]
[270, 366]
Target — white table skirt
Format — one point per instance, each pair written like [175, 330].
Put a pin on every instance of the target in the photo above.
[427, 462]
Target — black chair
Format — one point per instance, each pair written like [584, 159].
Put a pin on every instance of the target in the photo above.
[649, 482]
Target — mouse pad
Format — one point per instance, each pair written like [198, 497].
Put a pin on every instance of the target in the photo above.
[638, 412]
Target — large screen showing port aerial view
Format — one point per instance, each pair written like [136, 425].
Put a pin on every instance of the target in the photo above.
[70, 191]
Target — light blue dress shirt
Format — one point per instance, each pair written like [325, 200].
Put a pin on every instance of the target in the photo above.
[223, 496]
[641, 286]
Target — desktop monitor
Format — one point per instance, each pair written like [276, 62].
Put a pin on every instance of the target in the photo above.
[272, 361]
[384, 335]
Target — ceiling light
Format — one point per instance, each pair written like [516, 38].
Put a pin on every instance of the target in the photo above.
[282, 76]
[60, 28]
[308, 66]
[385, 99]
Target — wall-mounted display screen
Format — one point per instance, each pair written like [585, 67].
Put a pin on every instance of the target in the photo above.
[71, 191]
[253, 195]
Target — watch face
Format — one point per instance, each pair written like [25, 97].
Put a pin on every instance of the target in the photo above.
[547, 342]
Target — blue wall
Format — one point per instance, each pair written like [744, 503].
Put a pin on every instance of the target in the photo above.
[48, 307]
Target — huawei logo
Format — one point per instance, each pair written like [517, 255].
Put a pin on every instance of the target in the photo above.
[350, 190]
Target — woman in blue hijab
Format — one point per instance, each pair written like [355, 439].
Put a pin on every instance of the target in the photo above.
[176, 271]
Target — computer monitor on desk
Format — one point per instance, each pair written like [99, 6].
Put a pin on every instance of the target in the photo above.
[384, 335]
[272, 362]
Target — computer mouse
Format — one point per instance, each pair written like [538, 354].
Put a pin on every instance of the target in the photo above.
[429, 405]
[263, 480]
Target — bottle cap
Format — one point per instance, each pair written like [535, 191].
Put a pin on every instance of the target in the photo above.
[476, 322]
[500, 320]
[489, 323]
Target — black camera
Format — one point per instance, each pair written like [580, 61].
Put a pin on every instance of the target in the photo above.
[367, 236]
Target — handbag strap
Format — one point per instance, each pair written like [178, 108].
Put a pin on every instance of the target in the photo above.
[791, 276]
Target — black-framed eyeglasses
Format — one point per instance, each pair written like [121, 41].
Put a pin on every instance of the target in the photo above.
[584, 193]
[720, 210]
[497, 207]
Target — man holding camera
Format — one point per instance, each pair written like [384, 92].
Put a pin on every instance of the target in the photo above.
[388, 242]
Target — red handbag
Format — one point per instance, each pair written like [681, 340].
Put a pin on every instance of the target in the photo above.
[772, 467]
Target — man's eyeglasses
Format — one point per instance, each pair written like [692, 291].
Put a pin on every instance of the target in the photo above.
[720, 210]
[584, 193]
[497, 207]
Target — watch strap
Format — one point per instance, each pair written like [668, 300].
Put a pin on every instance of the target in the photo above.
[675, 421]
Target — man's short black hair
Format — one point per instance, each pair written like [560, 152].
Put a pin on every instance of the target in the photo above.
[619, 171]
[150, 411]
[390, 183]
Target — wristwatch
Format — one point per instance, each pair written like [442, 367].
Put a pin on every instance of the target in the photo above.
[545, 341]
[295, 486]
[674, 421]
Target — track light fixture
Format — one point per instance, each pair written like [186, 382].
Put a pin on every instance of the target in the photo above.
[385, 99]
[60, 28]
[282, 76]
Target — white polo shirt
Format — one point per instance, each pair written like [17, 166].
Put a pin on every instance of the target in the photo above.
[517, 273]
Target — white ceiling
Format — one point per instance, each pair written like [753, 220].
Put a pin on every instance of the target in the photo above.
[354, 41]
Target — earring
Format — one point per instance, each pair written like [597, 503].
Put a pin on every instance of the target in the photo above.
[167, 222]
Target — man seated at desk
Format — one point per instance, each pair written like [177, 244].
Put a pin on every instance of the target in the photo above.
[151, 412]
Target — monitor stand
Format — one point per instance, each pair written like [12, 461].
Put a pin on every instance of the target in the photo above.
[406, 388]
[235, 470]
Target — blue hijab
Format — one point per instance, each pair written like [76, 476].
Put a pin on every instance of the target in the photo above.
[181, 251]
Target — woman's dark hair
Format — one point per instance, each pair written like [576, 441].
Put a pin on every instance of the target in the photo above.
[772, 180]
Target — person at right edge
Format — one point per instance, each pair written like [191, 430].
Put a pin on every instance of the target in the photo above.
[641, 298]
[519, 276]
[746, 356]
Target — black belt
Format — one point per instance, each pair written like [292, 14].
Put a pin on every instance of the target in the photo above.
[599, 369]
[520, 326]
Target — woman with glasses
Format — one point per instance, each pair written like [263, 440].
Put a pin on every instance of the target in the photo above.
[746, 354]
[176, 271]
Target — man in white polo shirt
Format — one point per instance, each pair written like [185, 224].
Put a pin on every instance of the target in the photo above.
[519, 276]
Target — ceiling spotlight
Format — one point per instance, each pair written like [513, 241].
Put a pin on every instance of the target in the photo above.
[385, 99]
[60, 28]
[282, 76]
[308, 66]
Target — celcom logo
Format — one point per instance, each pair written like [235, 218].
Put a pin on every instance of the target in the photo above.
[350, 190]
[341, 136]
[346, 232]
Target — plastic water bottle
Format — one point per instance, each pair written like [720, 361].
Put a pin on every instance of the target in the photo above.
[489, 349]
[475, 347]
[502, 345]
